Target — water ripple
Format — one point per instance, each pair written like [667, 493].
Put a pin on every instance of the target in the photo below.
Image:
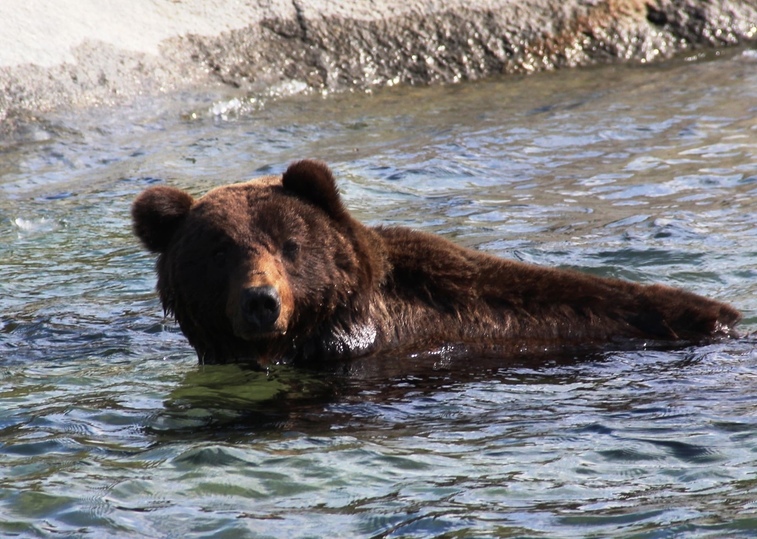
[109, 427]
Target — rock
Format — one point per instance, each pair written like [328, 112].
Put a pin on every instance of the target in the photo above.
[58, 53]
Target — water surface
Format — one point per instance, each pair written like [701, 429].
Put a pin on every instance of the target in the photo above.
[109, 428]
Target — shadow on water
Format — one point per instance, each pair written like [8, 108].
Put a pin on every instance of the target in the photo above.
[220, 401]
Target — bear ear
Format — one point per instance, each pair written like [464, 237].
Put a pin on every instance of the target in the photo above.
[157, 214]
[313, 181]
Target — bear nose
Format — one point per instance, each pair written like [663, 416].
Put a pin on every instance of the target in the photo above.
[261, 306]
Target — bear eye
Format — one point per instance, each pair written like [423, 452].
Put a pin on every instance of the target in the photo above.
[219, 256]
[290, 249]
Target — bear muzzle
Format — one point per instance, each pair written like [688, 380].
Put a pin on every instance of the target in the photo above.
[260, 302]
[260, 308]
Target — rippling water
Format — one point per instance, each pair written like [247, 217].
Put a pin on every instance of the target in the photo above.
[109, 428]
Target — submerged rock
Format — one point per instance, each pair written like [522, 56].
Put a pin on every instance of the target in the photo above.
[54, 56]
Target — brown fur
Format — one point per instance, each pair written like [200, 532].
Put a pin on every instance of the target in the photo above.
[276, 269]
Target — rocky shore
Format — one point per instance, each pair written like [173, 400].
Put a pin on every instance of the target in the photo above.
[69, 53]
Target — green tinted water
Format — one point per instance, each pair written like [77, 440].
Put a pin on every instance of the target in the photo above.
[109, 428]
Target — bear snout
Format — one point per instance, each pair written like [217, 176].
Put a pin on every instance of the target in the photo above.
[261, 307]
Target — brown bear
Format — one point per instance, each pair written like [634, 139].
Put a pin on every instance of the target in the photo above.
[277, 270]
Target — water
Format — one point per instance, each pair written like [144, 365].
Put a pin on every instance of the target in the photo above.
[109, 428]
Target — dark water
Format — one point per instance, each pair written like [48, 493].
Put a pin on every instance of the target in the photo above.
[109, 428]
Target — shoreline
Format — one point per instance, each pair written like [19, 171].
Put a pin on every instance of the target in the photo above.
[72, 54]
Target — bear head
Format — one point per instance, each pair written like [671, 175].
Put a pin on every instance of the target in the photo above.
[260, 271]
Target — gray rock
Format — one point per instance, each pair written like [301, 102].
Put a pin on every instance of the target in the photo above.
[69, 54]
